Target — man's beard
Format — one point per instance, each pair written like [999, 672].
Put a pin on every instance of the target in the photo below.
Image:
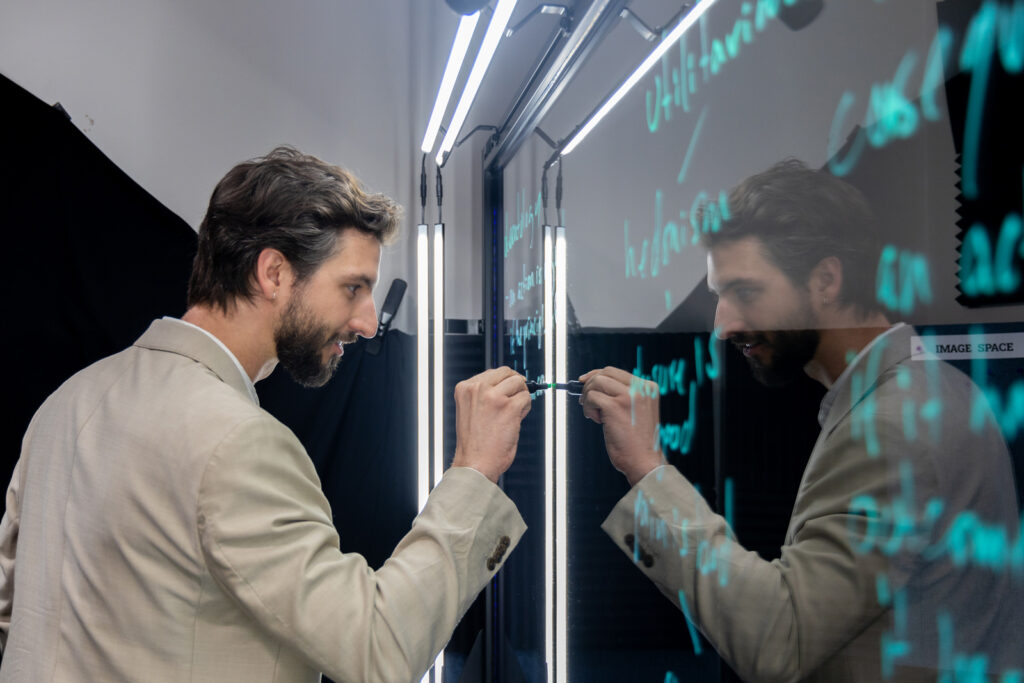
[790, 351]
[300, 344]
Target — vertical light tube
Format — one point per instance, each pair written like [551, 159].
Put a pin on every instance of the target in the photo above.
[438, 382]
[422, 370]
[438, 369]
[561, 459]
[549, 452]
[422, 375]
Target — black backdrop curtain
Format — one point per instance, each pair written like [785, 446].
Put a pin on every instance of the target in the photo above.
[96, 258]
[360, 431]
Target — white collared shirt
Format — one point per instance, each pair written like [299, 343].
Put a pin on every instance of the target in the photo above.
[248, 382]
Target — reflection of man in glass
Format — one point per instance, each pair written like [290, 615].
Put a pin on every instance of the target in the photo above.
[903, 548]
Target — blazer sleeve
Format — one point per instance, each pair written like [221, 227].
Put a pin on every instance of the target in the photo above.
[778, 620]
[8, 552]
[266, 532]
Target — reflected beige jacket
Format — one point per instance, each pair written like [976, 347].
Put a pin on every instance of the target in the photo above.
[161, 526]
[866, 582]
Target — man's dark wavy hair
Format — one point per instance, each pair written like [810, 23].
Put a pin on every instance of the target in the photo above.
[803, 216]
[286, 200]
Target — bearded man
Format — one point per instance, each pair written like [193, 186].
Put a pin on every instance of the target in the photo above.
[898, 560]
[161, 526]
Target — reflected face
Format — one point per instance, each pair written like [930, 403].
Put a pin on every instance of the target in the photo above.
[330, 308]
[761, 312]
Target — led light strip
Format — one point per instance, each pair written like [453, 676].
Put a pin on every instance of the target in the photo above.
[549, 453]
[667, 42]
[422, 376]
[439, 393]
[495, 30]
[438, 352]
[463, 36]
[561, 471]
[422, 370]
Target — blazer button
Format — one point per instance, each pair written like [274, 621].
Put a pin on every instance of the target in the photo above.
[648, 560]
[629, 540]
[503, 543]
[490, 564]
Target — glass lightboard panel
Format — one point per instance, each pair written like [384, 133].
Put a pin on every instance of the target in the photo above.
[887, 543]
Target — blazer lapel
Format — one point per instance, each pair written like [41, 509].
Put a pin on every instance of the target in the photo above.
[887, 352]
[167, 335]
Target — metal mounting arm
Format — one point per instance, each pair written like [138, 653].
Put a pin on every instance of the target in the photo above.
[645, 31]
[560, 10]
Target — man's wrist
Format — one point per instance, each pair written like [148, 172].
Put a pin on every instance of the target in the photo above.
[635, 474]
[461, 461]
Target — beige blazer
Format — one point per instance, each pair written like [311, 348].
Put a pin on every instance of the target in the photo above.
[869, 585]
[160, 526]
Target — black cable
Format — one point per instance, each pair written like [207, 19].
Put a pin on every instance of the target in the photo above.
[544, 193]
[439, 187]
[423, 190]
[558, 192]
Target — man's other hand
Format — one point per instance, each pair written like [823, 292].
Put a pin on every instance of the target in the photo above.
[488, 411]
[627, 408]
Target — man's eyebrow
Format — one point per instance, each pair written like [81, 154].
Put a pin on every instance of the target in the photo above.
[361, 279]
[737, 282]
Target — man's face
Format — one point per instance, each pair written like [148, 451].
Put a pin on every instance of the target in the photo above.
[760, 311]
[329, 309]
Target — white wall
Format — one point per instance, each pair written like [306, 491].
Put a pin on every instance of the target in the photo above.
[175, 92]
[776, 99]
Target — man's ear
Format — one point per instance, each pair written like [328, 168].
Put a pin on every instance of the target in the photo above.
[273, 273]
[826, 280]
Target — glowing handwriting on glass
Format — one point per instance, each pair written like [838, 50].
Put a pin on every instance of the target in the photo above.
[679, 437]
[689, 623]
[525, 330]
[526, 219]
[693, 144]
[535, 278]
[863, 418]
[952, 665]
[897, 525]
[963, 666]
[912, 276]
[993, 23]
[914, 407]
[890, 114]
[894, 645]
[995, 28]
[710, 557]
[1006, 408]
[930, 410]
[656, 252]
[980, 274]
[671, 378]
[660, 103]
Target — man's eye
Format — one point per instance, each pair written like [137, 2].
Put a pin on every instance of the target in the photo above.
[352, 289]
[746, 294]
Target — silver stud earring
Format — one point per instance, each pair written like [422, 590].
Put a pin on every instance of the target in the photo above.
[275, 294]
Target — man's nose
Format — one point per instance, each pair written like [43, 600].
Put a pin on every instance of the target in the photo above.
[727, 322]
[365, 322]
